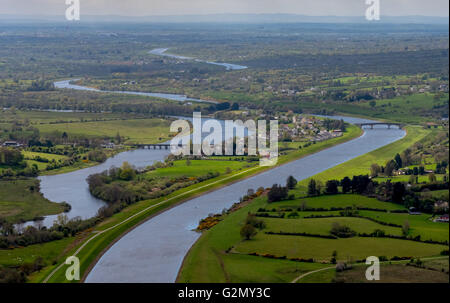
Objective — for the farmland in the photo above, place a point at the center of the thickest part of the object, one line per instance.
(20, 200)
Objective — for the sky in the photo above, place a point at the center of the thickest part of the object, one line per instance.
(197, 7)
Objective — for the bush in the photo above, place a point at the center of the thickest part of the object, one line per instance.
(342, 231)
(248, 231)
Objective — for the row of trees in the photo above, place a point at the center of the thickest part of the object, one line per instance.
(279, 193)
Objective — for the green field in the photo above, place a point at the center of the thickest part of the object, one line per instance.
(20, 201)
(198, 168)
(134, 130)
(322, 226)
(348, 249)
(209, 261)
(29, 156)
(329, 201)
(420, 224)
(49, 252)
(361, 165)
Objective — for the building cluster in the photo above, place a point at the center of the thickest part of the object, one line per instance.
(306, 127)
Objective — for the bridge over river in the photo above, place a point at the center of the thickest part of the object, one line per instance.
(372, 124)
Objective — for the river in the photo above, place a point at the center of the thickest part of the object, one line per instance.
(73, 188)
(163, 52)
(154, 251)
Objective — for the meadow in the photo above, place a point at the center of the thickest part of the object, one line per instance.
(221, 249)
(134, 130)
(194, 168)
(20, 200)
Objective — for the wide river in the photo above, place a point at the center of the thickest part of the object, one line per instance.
(154, 251)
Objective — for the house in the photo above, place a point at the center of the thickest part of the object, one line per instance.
(443, 218)
(109, 145)
(11, 144)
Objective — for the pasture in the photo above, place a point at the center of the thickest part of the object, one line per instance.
(21, 201)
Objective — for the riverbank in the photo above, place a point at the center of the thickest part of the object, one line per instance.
(207, 261)
(130, 217)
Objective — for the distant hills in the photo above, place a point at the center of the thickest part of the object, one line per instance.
(234, 18)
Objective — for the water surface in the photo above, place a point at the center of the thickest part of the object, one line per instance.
(154, 251)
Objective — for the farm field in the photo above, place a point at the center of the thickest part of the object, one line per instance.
(322, 226)
(348, 249)
(329, 201)
(20, 200)
(222, 248)
(194, 168)
(29, 156)
(135, 131)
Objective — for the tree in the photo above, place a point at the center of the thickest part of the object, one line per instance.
(255, 222)
(291, 182)
(127, 172)
(331, 187)
(375, 169)
(390, 167)
(432, 178)
(248, 232)
(346, 184)
(277, 193)
(405, 228)
(398, 191)
(334, 257)
(312, 187)
(118, 138)
(398, 160)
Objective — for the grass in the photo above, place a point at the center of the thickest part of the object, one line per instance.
(321, 249)
(361, 165)
(49, 252)
(322, 226)
(419, 224)
(329, 201)
(29, 156)
(198, 168)
(406, 109)
(18, 202)
(207, 261)
(135, 130)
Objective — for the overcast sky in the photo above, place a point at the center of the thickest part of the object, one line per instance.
(189, 7)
